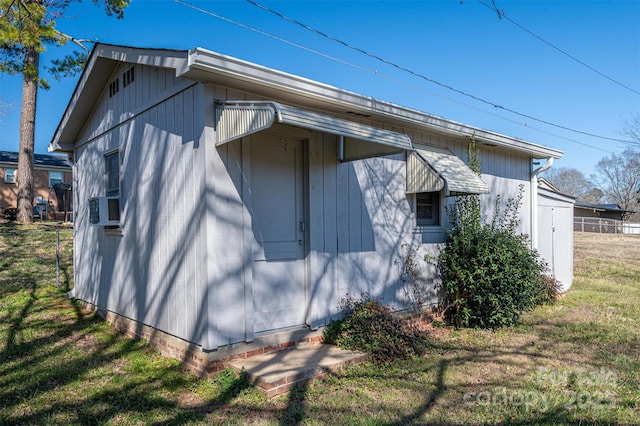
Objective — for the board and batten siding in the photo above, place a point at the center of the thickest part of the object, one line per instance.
(153, 268)
(150, 87)
(183, 259)
(359, 216)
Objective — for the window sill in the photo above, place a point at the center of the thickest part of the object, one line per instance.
(431, 234)
(428, 229)
(113, 230)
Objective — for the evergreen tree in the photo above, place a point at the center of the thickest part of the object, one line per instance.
(27, 27)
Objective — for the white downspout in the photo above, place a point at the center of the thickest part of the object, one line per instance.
(534, 201)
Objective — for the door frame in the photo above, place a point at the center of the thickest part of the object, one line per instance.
(248, 276)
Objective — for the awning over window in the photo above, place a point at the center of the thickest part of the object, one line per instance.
(428, 170)
(237, 119)
(421, 177)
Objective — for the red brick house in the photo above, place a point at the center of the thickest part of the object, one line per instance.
(52, 179)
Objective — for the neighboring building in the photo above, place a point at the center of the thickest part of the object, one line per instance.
(601, 211)
(229, 206)
(603, 218)
(50, 174)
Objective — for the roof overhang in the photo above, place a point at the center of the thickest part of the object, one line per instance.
(206, 66)
(102, 63)
(555, 195)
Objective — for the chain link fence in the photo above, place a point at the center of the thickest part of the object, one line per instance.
(604, 226)
(37, 253)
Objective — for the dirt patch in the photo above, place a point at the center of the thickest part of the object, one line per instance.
(85, 341)
(188, 399)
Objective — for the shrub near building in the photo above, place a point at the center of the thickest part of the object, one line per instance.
(490, 275)
(371, 327)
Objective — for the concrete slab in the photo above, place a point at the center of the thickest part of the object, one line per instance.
(277, 372)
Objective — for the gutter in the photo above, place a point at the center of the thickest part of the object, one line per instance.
(205, 65)
(534, 201)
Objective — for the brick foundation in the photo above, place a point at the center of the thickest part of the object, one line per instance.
(193, 358)
(208, 364)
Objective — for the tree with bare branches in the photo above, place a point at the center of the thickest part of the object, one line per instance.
(618, 175)
(573, 182)
(27, 27)
(632, 129)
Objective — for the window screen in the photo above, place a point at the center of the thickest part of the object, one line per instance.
(112, 171)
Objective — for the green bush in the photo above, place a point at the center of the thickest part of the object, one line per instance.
(369, 326)
(490, 276)
(332, 331)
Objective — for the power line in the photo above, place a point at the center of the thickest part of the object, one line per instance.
(377, 73)
(422, 76)
(501, 15)
(273, 36)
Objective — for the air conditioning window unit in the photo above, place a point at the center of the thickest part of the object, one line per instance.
(104, 211)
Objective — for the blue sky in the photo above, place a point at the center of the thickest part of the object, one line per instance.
(461, 44)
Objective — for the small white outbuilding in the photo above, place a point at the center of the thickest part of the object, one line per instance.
(230, 206)
(555, 232)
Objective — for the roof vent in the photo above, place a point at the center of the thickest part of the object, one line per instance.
(114, 87)
(127, 77)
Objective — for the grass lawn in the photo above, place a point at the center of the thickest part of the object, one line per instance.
(575, 362)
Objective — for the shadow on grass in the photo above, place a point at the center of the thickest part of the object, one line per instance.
(51, 379)
(59, 365)
(16, 322)
(231, 386)
(295, 412)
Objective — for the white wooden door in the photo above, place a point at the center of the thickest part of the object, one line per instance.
(277, 218)
(555, 241)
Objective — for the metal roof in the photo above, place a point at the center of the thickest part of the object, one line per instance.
(457, 175)
(206, 66)
(39, 160)
(235, 119)
(601, 207)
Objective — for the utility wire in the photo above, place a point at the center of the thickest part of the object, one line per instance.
(501, 15)
(273, 36)
(377, 73)
(422, 76)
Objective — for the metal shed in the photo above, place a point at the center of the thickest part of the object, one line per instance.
(555, 232)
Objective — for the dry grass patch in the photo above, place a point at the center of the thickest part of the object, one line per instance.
(590, 246)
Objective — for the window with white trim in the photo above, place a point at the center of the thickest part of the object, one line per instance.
(55, 177)
(427, 209)
(9, 175)
(112, 174)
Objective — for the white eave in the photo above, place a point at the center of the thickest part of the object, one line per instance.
(203, 64)
(100, 66)
(207, 66)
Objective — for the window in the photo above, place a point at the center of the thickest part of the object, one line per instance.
(112, 174)
(10, 175)
(428, 209)
(54, 178)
